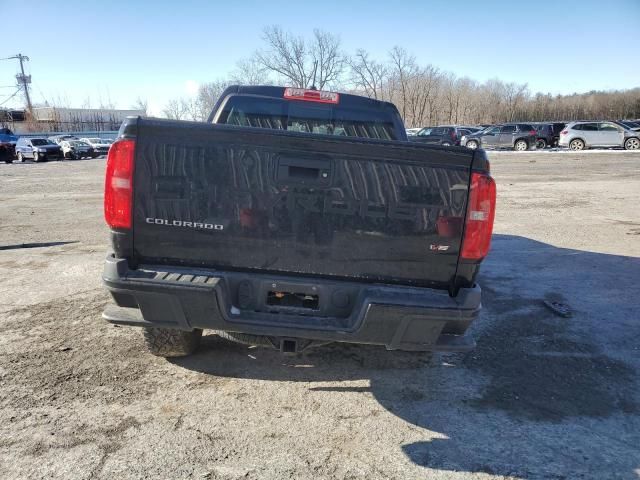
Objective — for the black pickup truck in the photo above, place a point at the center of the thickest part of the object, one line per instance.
(294, 218)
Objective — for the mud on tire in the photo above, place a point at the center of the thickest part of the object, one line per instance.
(166, 342)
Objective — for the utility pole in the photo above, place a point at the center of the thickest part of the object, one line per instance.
(24, 80)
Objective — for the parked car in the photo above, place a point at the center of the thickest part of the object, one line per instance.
(544, 135)
(7, 146)
(548, 133)
(57, 139)
(100, 145)
(38, 149)
(412, 131)
(581, 135)
(519, 136)
(628, 124)
(245, 231)
(445, 135)
(76, 149)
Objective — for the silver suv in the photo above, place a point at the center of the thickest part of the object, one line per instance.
(581, 135)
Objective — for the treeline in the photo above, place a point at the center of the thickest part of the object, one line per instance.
(424, 94)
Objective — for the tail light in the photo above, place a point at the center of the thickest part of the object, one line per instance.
(480, 215)
(564, 132)
(453, 134)
(311, 95)
(118, 184)
(533, 132)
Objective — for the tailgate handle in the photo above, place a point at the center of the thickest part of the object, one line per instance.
(305, 170)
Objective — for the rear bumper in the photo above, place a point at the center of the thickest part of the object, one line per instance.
(398, 317)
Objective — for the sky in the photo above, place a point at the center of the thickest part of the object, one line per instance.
(90, 52)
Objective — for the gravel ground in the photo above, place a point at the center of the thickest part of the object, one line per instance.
(542, 396)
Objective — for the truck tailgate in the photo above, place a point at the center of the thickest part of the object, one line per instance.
(271, 201)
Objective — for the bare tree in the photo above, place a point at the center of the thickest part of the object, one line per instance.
(250, 72)
(367, 75)
(141, 104)
(176, 109)
(299, 62)
(328, 62)
(208, 95)
(514, 97)
(403, 70)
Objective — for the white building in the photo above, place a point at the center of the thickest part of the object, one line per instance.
(54, 119)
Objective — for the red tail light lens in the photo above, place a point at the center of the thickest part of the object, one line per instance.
(564, 132)
(118, 184)
(311, 95)
(533, 132)
(480, 215)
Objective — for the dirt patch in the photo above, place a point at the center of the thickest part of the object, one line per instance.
(540, 371)
(55, 363)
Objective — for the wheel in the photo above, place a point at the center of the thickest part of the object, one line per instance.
(576, 144)
(541, 143)
(20, 157)
(167, 342)
(472, 144)
(632, 143)
(36, 157)
(9, 160)
(446, 144)
(520, 146)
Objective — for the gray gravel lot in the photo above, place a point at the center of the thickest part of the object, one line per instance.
(541, 397)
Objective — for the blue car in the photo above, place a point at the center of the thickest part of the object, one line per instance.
(37, 149)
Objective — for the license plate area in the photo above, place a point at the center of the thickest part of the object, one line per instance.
(297, 300)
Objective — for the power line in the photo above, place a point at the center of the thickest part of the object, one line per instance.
(14, 94)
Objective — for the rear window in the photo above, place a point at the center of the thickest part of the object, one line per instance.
(307, 117)
(525, 127)
(40, 141)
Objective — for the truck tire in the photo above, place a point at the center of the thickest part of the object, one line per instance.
(167, 342)
(20, 157)
(541, 143)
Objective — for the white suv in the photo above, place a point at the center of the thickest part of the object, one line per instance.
(581, 135)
